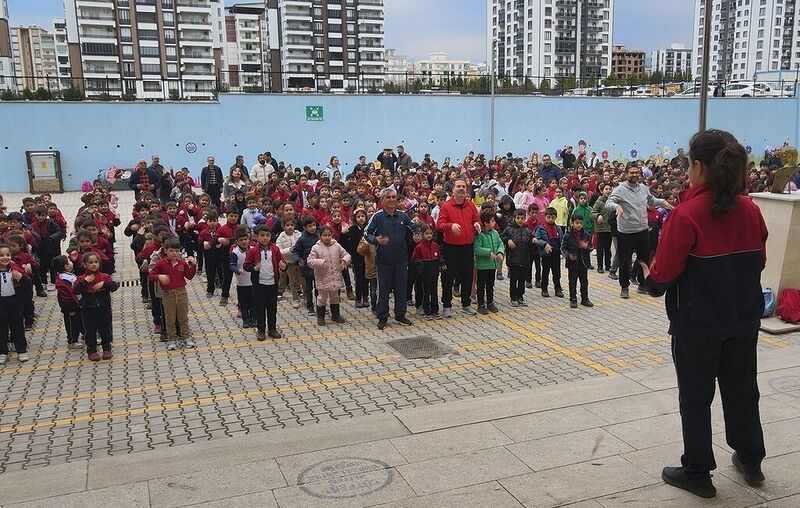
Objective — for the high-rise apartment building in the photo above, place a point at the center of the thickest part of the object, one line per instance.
(6, 61)
(550, 38)
(35, 62)
(398, 69)
(673, 61)
(251, 56)
(627, 63)
(146, 47)
(747, 36)
(62, 53)
(438, 68)
(333, 44)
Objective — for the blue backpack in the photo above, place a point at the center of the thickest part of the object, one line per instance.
(770, 302)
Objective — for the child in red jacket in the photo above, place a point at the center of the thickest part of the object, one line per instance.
(30, 266)
(96, 287)
(11, 277)
(68, 301)
(172, 272)
(429, 263)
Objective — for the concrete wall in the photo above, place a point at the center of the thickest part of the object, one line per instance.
(94, 136)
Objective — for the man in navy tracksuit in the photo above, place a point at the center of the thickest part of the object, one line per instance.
(391, 231)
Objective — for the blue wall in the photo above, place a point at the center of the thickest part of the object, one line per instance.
(94, 136)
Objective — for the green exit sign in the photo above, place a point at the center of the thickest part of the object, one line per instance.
(314, 114)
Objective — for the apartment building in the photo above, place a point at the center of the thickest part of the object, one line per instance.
(747, 36)
(398, 67)
(550, 38)
(672, 61)
(146, 47)
(34, 52)
(331, 44)
(251, 56)
(438, 68)
(627, 63)
(6, 58)
(62, 53)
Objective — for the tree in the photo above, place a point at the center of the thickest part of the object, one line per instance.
(27, 94)
(174, 94)
(73, 93)
(8, 95)
(42, 94)
(544, 86)
(611, 80)
(592, 82)
(657, 77)
(129, 95)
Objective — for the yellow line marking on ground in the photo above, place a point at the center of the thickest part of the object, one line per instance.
(569, 353)
(647, 300)
(621, 343)
(773, 341)
(619, 362)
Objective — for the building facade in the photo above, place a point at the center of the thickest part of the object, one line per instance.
(35, 62)
(673, 61)
(398, 68)
(7, 81)
(438, 68)
(251, 48)
(146, 47)
(550, 38)
(747, 37)
(627, 63)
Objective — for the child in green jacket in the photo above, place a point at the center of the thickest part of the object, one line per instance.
(489, 254)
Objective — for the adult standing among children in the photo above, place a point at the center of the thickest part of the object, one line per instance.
(404, 161)
(630, 201)
(156, 165)
(391, 231)
(211, 180)
(143, 179)
(549, 171)
(459, 222)
(712, 280)
(239, 164)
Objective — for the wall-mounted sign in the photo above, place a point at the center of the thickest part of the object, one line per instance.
(314, 114)
(191, 147)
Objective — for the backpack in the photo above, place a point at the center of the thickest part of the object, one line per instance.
(769, 302)
(789, 306)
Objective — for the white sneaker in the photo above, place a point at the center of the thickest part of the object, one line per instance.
(447, 312)
(75, 345)
(23, 357)
(172, 345)
(3, 359)
(420, 311)
(99, 340)
(51, 287)
(188, 344)
(469, 311)
(295, 304)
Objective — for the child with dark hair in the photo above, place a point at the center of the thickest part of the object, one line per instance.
(576, 247)
(286, 240)
(11, 279)
(519, 242)
(30, 266)
(533, 278)
(171, 273)
(328, 259)
(135, 230)
(95, 288)
(300, 252)
(225, 238)
(489, 252)
(264, 261)
(212, 251)
(244, 282)
(68, 301)
(49, 241)
(548, 240)
(428, 262)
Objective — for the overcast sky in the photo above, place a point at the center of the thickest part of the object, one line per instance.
(417, 28)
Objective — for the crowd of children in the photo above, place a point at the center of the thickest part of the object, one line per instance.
(298, 233)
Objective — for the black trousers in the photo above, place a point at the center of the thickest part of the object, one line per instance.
(551, 265)
(577, 272)
(485, 287)
(214, 192)
(391, 278)
(265, 306)
(11, 323)
(155, 308)
(700, 361)
(362, 284)
(144, 285)
(460, 261)
(73, 326)
(414, 288)
(627, 245)
(97, 321)
(430, 298)
(25, 295)
(516, 281)
(535, 262)
(213, 268)
(227, 279)
(308, 289)
(244, 294)
(604, 250)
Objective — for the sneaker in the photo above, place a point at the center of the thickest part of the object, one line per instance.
(482, 310)
(538, 283)
(107, 354)
(559, 293)
(528, 285)
(403, 321)
(295, 304)
(261, 336)
(381, 324)
(162, 337)
(158, 328)
(188, 344)
(280, 297)
(311, 311)
(74, 345)
(99, 341)
(493, 308)
(469, 311)
(587, 303)
(752, 472)
(23, 357)
(420, 311)
(223, 302)
(41, 293)
(28, 327)
(700, 486)
(447, 312)
(274, 334)
(3, 359)
(613, 276)
(51, 288)
(429, 317)
(95, 357)
(590, 267)
(600, 271)
(239, 313)
(499, 275)
(514, 303)
(148, 305)
(172, 345)
(209, 295)
(145, 299)
(623, 293)
(247, 324)
(545, 294)
(522, 303)
(435, 316)
(573, 304)
(642, 291)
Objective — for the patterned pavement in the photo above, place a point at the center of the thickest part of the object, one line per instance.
(60, 407)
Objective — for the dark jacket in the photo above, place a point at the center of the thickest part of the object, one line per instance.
(350, 242)
(542, 239)
(550, 173)
(133, 181)
(505, 217)
(712, 277)
(91, 299)
(570, 244)
(398, 228)
(523, 240)
(387, 162)
(301, 250)
(205, 175)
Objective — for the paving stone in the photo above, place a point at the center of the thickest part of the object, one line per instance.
(548, 423)
(364, 489)
(132, 495)
(477, 496)
(567, 449)
(452, 441)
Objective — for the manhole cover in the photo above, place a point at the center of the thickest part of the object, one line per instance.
(345, 478)
(422, 346)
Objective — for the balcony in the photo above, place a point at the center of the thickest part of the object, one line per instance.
(194, 23)
(93, 19)
(195, 39)
(198, 6)
(105, 4)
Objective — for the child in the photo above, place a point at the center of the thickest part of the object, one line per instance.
(532, 222)
(68, 301)
(429, 263)
(548, 239)
(518, 240)
(135, 230)
(585, 211)
(29, 265)
(328, 259)
(171, 273)
(49, 241)
(300, 252)
(212, 251)
(489, 251)
(264, 262)
(560, 204)
(285, 243)
(350, 241)
(244, 283)
(11, 277)
(225, 237)
(95, 288)
(369, 253)
(576, 248)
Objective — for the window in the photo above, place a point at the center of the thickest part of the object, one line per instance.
(317, 26)
(149, 51)
(169, 19)
(127, 51)
(151, 68)
(124, 16)
(100, 49)
(152, 86)
(317, 12)
(171, 53)
(169, 36)
(319, 41)
(172, 70)
(125, 34)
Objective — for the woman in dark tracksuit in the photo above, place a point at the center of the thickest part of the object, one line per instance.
(712, 281)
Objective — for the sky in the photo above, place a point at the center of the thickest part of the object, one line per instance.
(417, 28)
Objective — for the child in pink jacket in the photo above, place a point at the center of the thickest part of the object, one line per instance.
(328, 259)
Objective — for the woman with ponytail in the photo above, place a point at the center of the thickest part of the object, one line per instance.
(709, 263)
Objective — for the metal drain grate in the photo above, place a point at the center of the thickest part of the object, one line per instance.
(421, 346)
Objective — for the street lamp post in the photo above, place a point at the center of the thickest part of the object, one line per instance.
(706, 68)
(491, 120)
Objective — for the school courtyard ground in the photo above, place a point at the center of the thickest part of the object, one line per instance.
(536, 406)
